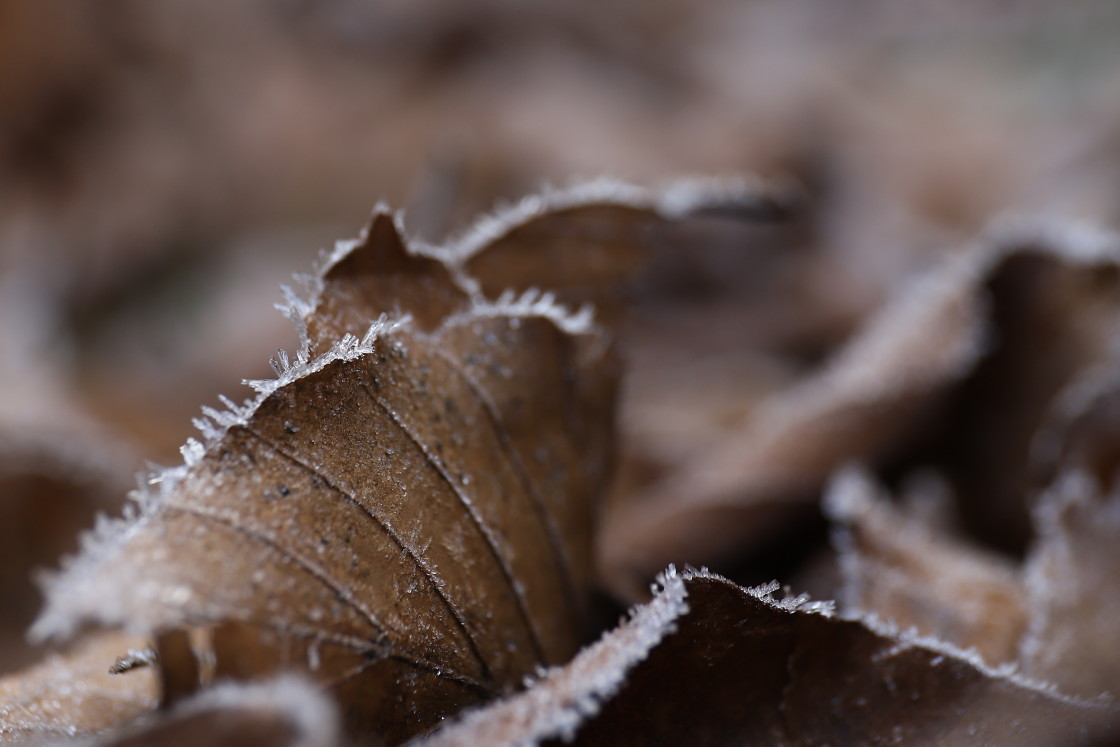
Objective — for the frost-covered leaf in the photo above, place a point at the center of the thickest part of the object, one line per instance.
(708, 662)
(957, 373)
(906, 571)
(406, 516)
(770, 467)
(582, 245)
(75, 693)
(587, 243)
(1053, 292)
(371, 519)
(1053, 617)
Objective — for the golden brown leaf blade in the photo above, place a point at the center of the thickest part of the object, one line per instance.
(368, 505)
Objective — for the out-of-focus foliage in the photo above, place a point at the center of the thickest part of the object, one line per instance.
(164, 167)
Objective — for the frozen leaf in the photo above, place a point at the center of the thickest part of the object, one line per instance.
(708, 662)
(590, 241)
(1072, 577)
(905, 571)
(1054, 298)
(370, 518)
(957, 373)
(407, 517)
(583, 244)
(374, 275)
(770, 467)
(75, 693)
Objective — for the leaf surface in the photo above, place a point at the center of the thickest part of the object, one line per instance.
(709, 662)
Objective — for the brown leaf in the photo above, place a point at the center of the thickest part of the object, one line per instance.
(1053, 618)
(584, 245)
(406, 517)
(958, 374)
(371, 507)
(75, 693)
(1053, 291)
(590, 242)
(769, 468)
(904, 571)
(708, 662)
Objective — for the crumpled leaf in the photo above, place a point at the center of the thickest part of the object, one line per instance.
(957, 374)
(708, 662)
(1054, 291)
(406, 517)
(904, 570)
(1053, 617)
(584, 245)
(768, 470)
(75, 692)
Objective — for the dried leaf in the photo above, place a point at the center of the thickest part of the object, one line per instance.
(368, 507)
(906, 572)
(1053, 618)
(769, 469)
(708, 662)
(1054, 291)
(959, 353)
(590, 242)
(75, 693)
(406, 517)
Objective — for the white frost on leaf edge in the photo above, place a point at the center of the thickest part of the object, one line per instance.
(910, 638)
(95, 545)
(675, 199)
(855, 368)
(561, 699)
(58, 620)
(531, 303)
(558, 701)
(1077, 241)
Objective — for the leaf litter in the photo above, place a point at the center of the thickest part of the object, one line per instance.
(406, 517)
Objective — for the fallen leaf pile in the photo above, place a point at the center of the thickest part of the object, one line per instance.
(419, 530)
